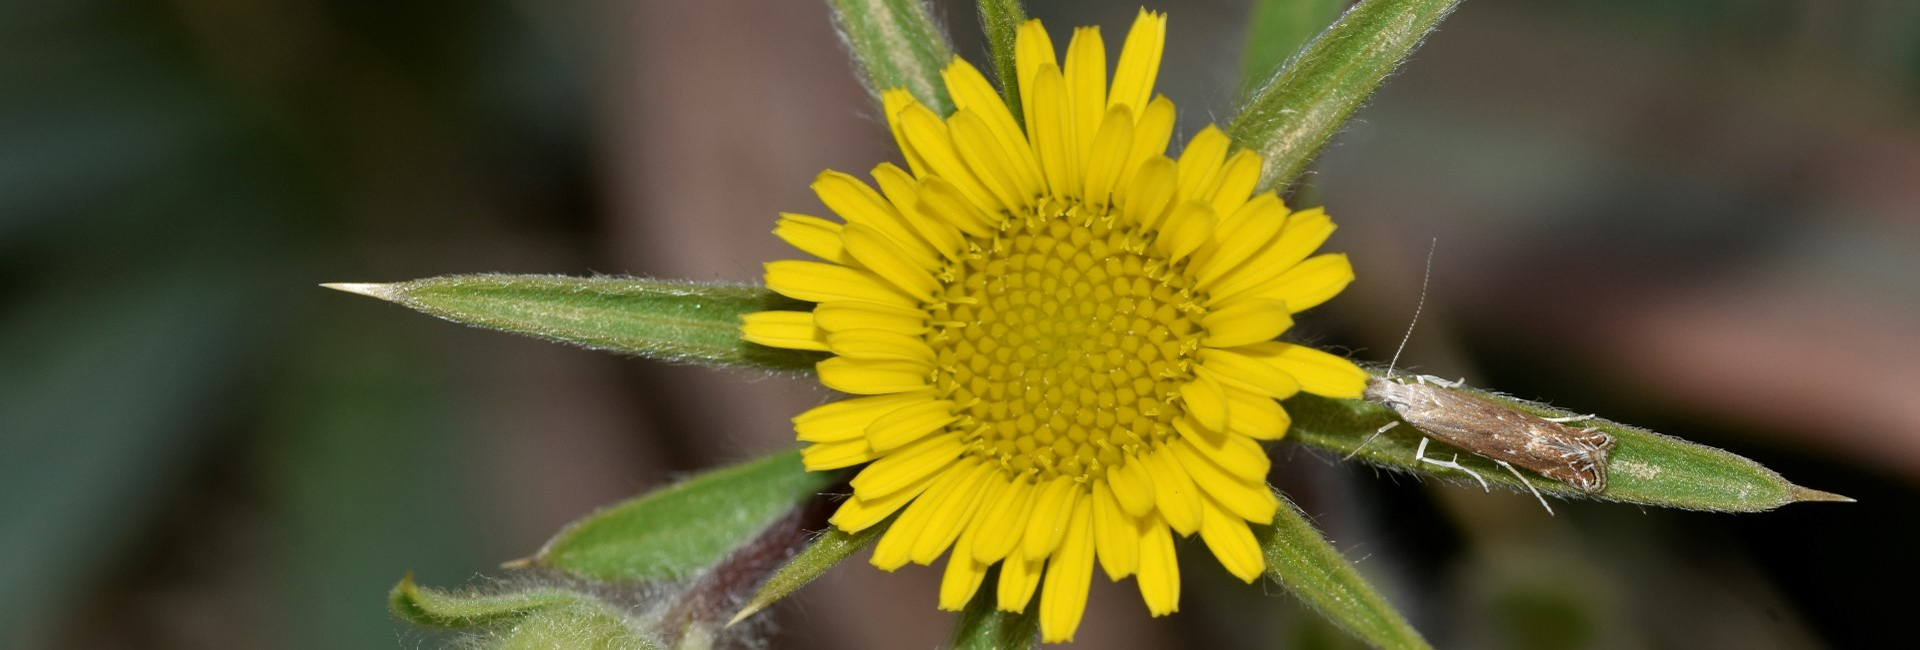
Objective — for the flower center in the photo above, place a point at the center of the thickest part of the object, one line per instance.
(1065, 344)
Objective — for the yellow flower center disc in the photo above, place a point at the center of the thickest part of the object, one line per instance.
(1064, 344)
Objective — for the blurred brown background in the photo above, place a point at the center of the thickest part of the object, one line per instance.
(1701, 216)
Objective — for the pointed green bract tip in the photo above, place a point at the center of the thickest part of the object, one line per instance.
(749, 610)
(1805, 494)
(381, 291)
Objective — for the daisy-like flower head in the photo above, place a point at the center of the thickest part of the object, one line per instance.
(1062, 339)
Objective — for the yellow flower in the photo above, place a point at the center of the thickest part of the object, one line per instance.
(1063, 339)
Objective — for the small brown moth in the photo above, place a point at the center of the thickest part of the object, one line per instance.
(1549, 447)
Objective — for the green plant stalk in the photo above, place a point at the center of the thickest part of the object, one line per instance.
(1291, 116)
(1000, 20)
(897, 44)
(824, 552)
(1301, 559)
(1275, 33)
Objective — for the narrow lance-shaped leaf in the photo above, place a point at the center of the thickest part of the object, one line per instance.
(825, 551)
(1275, 33)
(982, 626)
(896, 44)
(1302, 560)
(1644, 467)
(536, 618)
(1000, 20)
(682, 529)
(660, 319)
(1288, 118)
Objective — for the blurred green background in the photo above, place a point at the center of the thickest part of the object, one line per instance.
(1701, 216)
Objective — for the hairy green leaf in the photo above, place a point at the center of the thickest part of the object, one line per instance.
(1302, 560)
(825, 551)
(1290, 116)
(982, 626)
(897, 44)
(662, 319)
(1000, 20)
(1278, 28)
(537, 618)
(1645, 467)
(679, 530)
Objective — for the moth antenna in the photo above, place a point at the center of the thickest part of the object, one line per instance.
(1416, 308)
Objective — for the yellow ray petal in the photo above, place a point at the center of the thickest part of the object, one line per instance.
(971, 92)
(1249, 500)
(905, 466)
(1032, 49)
(793, 330)
(1231, 541)
(982, 153)
(848, 419)
(1159, 570)
(930, 138)
(1248, 231)
(1152, 130)
(1318, 372)
(1051, 130)
(1257, 416)
(835, 455)
(857, 514)
(1206, 401)
(1132, 486)
(1018, 578)
(956, 515)
(1238, 370)
(816, 236)
(858, 203)
(893, 103)
(1200, 163)
(894, 547)
(843, 315)
(1236, 182)
(909, 423)
(939, 198)
(1310, 283)
(1148, 194)
(903, 192)
(963, 574)
(1052, 508)
(1086, 76)
(1004, 521)
(880, 345)
(1186, 228)
(1139, 63)
(1069, 574)
(823, 282)
(1104, 161)
(873, 377)
(1238, 456)
(1115, 535)
(1246, 321)
(877, 252)
(1174, 494)
(1304, 232)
